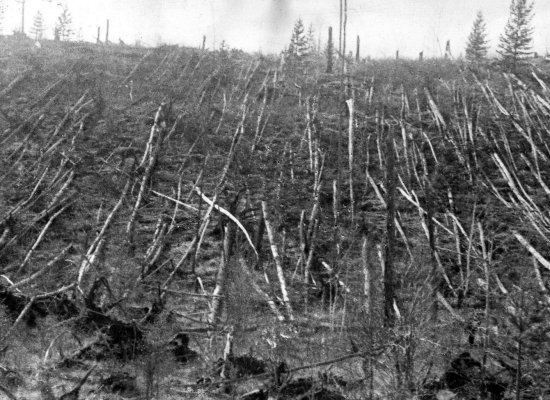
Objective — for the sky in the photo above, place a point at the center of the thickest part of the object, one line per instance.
(384, 26)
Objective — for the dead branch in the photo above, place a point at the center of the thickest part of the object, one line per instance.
(46, 212)
(134, 70)
(14, 83)
(181, 203)
(18, 320)
(158, 128)
(449, 308)
(39, 239)
(181, 293)
(41, 272)
(277, 259)
(260, 291)
(74, 393)
(346, 357)
(97, 244)
(7, 392)
(544, 262)
(230, 216)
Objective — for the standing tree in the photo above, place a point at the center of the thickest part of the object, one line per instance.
(107, 33)
(22, 2)
(515, 44)
(311, 40)
(37, 29)
(330, 51)
(298, 42)
(64, 24)
(476, 49)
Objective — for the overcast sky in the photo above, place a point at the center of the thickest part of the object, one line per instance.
(384, 25)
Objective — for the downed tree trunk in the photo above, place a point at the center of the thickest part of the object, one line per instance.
(277, 259)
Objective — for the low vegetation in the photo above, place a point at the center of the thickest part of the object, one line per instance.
(184, 223)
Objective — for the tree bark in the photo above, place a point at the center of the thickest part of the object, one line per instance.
(221, 279)
(389, 284)
(277, 259)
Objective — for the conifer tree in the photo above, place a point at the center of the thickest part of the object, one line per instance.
(37, 29)
(515, 43)
(476, 49)
(298, 43)
(330, 51)
(64, 24)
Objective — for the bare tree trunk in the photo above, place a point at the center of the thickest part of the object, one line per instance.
(486, 262)
(277, 259)
(368, 364)
(344, 26)
(340, 100)
(107, 33)
(350, 157)
(221, 278)
(389, 284)
(519, 353)
(260, 291)
(225, 373)
(330, 51)
(431, 240)
(22, 16)
(258, 238)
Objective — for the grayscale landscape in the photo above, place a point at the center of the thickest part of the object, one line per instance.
(288, 199)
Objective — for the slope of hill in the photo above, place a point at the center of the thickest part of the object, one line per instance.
(211, 224)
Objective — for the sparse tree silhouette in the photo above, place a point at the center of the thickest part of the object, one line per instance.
(2, 11)
(298, 42)
(311, 40)
(79, 35)
(515, 43)
(22, 2)
(476, 48)
(330, 51)
(64, 24)
(37, 29)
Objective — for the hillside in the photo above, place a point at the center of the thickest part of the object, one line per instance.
(178, 223)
